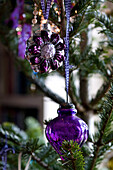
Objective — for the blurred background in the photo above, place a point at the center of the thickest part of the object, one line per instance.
(19, 96)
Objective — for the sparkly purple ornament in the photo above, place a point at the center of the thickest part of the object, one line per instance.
(3, 153)
(16, 14)
(25, 34)
(67, 126)
(45, 51)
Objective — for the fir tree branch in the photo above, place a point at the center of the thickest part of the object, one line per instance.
(27, 165)
(101, 92)
(111, 140)
(35, 158)
(40, 84)
(104, 19)
(95, 158)
(72, 155)
(63, 20)
(73, 160)
(105, 117)
(83, 79)
(110, 0)
(27, 148)
(80, 6)
(19, 160)
(77, 24)
(10, 138)
(41, 163)
(52, 19)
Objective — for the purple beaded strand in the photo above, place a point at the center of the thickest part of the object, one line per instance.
(67, 9)
(46, 11)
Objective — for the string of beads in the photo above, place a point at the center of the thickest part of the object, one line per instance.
(35, 13)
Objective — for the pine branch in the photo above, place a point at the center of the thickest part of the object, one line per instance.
(80, 6)
(105, 114)
(11, 136)
(54, 21)
(72, 155)
(48, 154)
(19, 160)
(63, 20)
(54, 18)
(77, 24)
(101, 92)
(28, 163)
(110, 0)
(45, 152)
(104, 19)
(85, 15)
(28, 148)
(41, 163)
(83, 79)
(41, 85)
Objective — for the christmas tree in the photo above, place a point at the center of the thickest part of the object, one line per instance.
(89, 22)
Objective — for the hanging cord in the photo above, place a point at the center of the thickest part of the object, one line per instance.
(67, 9)
(46, 11)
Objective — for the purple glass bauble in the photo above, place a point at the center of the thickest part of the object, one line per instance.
(67, 126)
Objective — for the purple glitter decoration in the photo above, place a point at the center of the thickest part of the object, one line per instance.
(26, 28)
(67, 9)
(20, 4)
(14, 18)
(67, 126)
(25, 34)
(3, 153)
(46, 11)
(45, 51)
